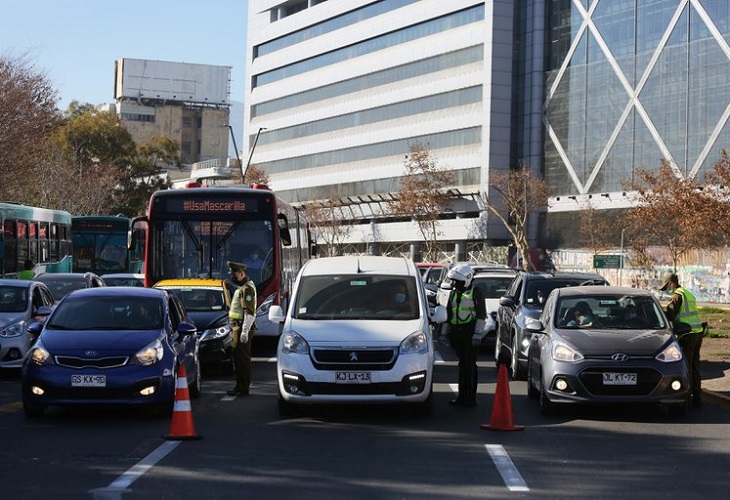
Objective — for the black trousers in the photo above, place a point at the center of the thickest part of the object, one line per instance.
(691, 345)
(242, 360)
(461, 342)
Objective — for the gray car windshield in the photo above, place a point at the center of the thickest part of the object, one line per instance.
(107, 313)
(609, 312)
(357, 297)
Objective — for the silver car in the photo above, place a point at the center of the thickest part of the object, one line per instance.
(605, 344)
(19, 303)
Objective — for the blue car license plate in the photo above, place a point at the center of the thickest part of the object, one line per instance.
(88, 380)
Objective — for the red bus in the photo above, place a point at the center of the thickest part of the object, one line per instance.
(194, 232)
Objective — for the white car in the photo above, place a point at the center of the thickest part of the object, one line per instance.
(357, 331)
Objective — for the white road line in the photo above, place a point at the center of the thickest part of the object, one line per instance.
(125, 480)
(510, 475)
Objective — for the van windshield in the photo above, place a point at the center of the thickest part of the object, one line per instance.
(377, 297)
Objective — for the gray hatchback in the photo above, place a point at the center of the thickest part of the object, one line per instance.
(19, 303)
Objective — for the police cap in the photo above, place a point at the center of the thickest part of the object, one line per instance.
(236, 266)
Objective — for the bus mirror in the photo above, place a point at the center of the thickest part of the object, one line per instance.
(284, 233)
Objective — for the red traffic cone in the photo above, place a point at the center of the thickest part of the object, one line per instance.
(502, 407)
(182, 414)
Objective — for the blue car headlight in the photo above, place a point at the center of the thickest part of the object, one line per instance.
(149, 354)
(13, 330)
(39, 355)
(416, 342)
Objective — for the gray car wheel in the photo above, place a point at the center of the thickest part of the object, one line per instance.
(518, 372)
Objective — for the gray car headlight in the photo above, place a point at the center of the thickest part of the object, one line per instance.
(563, 352)
(670, 354)
(13, 330)
(293, 343)
(416, 342)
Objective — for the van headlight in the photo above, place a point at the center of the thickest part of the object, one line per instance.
(416, 342)
(293, 343)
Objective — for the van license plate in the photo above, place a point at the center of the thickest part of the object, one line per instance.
(88, 380)
(352, 377)
(610, 378)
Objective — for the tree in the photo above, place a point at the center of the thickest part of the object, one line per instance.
(422, 195)
(256, 175)
(518, 194)
(332, 220)
(597, 228)
(668, 211)
(27, 115)
(718, 190)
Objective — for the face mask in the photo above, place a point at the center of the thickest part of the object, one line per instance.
(399, 298)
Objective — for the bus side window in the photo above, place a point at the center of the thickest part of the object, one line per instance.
(284, 233)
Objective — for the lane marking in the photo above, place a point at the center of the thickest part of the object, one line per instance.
(510, 475)
(123, 482)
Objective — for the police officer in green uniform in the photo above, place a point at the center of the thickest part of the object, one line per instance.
(682, 308)
(241, 318)
(467, 313)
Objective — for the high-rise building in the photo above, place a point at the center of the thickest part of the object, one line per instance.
(581, 91)
(186, 102)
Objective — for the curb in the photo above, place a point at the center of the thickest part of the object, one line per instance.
(717, 398)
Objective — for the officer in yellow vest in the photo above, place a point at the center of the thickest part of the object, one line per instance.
(467, 313)
(241, 318)
(682, 308)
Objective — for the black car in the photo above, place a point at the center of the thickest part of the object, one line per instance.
(524, 299)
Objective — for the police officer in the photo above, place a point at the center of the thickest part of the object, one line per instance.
(241, 318)
(27, 273)
(467, 313)
(682, 308)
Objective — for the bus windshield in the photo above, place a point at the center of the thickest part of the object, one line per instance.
(201, 248)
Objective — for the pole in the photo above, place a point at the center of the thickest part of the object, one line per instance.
(235, 147)
(621, 262)
(256, 140)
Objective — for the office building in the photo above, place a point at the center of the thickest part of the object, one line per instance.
(581, 91)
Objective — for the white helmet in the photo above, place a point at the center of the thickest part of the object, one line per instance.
(462, 272)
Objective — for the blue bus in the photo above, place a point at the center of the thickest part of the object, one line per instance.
(34, 234)
(100, 244)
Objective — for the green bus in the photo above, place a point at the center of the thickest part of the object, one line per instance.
(100, 244)
(37, 235)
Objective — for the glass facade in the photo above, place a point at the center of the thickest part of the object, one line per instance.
(630, 83)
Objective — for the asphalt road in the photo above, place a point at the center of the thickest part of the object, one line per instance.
(247, 450)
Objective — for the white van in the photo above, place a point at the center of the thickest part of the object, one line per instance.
(357, 330)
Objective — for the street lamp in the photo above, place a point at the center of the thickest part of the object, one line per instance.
(235, 147)
(256, 139)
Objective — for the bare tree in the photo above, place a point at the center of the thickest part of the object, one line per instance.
(518, 193)
(256, 175)
(332, 220)
(596, 228)
(27, 115)
(423, 196)
(668, 211)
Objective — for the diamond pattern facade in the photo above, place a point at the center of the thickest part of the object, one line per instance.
(630, 84)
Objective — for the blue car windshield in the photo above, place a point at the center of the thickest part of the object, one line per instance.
(107, 313)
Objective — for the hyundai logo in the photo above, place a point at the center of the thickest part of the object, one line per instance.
(91, 354)
(619, 356)
(353, 356)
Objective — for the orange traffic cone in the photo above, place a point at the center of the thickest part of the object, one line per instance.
(502, 407)
(182, 414)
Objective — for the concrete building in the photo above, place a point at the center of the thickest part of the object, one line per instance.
(582, 91)
(187, 102)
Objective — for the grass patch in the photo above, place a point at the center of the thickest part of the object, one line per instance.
(718, 321)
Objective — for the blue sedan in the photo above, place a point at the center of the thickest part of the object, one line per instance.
(112, 345)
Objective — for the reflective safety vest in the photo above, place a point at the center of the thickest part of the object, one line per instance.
(463, 310)
(26, 274)
(688, 313)
(237, 310)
